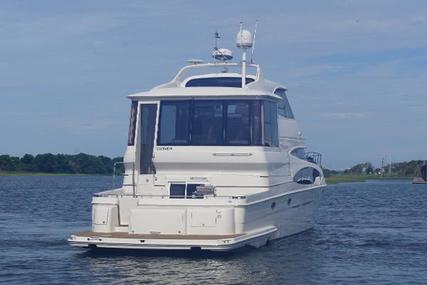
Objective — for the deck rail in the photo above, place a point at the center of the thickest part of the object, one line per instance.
(314, 157)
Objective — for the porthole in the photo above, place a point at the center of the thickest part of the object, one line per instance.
(289, 201)
(273, 205)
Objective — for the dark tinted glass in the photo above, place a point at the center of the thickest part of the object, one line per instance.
(191, 188)
(237, 131)
(218, 81)
(132, 123)
(148, 122)
(299, 152)
(207, 123)
(270, 124)
(284, 107)
(177, 190)
(306, 175)
(174, 123)
(256, 123)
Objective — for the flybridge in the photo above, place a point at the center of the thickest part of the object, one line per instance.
(221, 73)
(212, 70)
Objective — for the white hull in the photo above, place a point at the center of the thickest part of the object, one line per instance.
(215, 161)
(255, 223)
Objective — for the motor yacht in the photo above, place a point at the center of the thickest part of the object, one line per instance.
(215, 161)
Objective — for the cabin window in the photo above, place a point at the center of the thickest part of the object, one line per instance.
(148, 123)
(306, 175)
(182, 190)
(218, 81)
(299, 152)
(271, 137)
(174, 123)
(177, 190)
(237, 129)
(207, 123)
(132, 123)
(256, 128)
(218, 122)
(284, 108)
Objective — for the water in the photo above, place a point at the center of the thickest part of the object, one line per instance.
(373, 232)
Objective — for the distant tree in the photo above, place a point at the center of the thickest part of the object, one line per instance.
(7, 163)
(46, 162)
(61, 163)
(361, 168)
(27, 159)
(26, 162)
(329, 172)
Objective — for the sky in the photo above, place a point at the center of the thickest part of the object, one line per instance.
(356, 71)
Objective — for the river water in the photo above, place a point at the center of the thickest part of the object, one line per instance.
(373, 232)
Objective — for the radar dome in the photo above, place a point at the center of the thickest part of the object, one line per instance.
(244, 39)
(222, 54)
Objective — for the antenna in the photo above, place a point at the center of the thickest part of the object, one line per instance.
(253, 47)
(217, 36)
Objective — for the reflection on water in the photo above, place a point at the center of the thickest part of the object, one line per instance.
(371, 232)
(288, 259)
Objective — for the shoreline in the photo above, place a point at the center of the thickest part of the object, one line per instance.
(361, 178)
(331, 180)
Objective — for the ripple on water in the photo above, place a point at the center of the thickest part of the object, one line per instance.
(371, 232)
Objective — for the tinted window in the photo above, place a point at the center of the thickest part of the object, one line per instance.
(219, 122)
(191, 188)
(174, 123)
(299, 152)
(207, 123)
(284, 107)
(132, 123)
(306, 175)
(270, 124)
(237, 131)
(177, 191)
(148, 123)
(256, 123)
(218, 81)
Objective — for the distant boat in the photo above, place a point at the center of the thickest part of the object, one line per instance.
(420, 175)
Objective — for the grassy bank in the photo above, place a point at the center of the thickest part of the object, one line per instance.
(360, 178)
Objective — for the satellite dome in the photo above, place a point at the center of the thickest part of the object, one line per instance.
(244, 39)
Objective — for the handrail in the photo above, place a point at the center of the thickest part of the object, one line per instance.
(179, 76)
(103, 194)
(314, 157)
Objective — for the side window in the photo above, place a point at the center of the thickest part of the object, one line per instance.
(299, 152)
(270, 124)
(132, 123)
(306, 175)
(256, 123)
(284, 107)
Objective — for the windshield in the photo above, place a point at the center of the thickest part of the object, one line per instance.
(218, 122)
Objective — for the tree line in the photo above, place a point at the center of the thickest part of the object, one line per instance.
(81, 163)
(402, 169)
